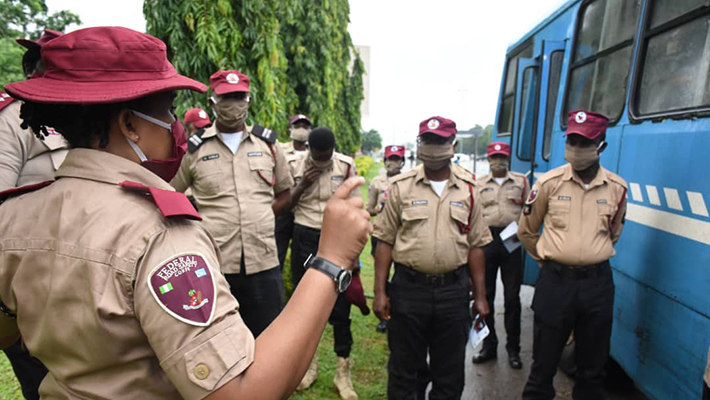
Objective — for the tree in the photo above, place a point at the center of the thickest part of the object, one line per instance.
(371, 141)
(25, 19)
(297, 53)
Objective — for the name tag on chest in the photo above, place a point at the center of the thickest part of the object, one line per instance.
(420, 202)
(336, 178)
(565, 198)
(210, 157)
(255, 154)
(456, 204)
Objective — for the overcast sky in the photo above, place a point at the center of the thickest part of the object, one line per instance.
(442, 57)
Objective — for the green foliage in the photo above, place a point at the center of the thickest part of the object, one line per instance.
(297, 53)
(371, 141)
(25, 19)
(363, 165)
(484, 139)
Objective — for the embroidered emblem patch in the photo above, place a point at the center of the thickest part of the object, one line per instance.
(532, 197)
(184, 287)
(394, 148)
(433, 123)
(233, 78)
(497, 147)
(581, 117)
(202, 114)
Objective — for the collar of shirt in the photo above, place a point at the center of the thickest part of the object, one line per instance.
(101, 166)
(212, 131)
(598, 180)
(489, 177)
(453, 179)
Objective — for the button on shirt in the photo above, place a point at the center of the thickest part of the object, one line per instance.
(75, 264)
(234, 193)
(425, 229)
(502, 202)
(581, 224)
(309, 210)
(25, 159)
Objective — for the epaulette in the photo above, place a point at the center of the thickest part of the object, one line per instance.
(553, 173)
(171, 204)
(195, 141)
(406, 175)
(5, 100)
(463, 174)
(264, 134)
(14, 192)
(345, 159)
(616, 178)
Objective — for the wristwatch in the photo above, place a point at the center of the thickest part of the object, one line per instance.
(340, 276)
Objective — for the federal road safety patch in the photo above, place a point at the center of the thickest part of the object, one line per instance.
(184, 287)
(532, 197)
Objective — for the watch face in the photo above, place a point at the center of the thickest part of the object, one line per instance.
(344, 279)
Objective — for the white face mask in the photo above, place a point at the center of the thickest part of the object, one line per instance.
(299, 152)
(150, 119)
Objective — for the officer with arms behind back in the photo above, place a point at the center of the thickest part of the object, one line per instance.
(239, 180)
(503, 193)
(377, 194)
(582, 207)
(109, 253)
(432, 226)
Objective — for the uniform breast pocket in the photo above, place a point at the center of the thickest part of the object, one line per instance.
(459, 217)
(604, 217)
(514, 194)
(414, 219)
(559, 213)
(262, 169)
(488, 197)
(335, 182)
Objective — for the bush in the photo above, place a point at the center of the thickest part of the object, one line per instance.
(363, 165)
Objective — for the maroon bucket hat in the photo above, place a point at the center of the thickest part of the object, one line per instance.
(102, 65)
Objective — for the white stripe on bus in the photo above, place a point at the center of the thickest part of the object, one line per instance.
(697, 204)
(653, 195)
(679, 225)
(636, 192)
(673, 199)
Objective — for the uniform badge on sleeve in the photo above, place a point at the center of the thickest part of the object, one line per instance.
(184, 287)
(527, 209)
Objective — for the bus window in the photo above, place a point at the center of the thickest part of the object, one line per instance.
(527, 113)
(505, 122)
(676, 63)
(602, 57)
(553, 89)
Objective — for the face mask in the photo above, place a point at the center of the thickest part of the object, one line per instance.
(435, 156)
(299, 152)
(321, 164)
(393, 167)
(231, 113)
(300, 134)
(581, 158)
(166, 169)
(498, 166)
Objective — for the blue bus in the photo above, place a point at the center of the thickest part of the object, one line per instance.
(646, 65)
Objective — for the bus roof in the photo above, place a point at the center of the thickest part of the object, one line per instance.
(542, 24)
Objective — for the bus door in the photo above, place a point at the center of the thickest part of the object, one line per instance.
(535, 105)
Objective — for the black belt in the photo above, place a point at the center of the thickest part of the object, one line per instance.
(434, 280)
(578, 271)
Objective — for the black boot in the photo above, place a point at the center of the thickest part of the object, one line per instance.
(382, 326)
(486, 354)
(514, 361)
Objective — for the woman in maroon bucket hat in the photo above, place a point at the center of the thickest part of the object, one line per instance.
(106, 272)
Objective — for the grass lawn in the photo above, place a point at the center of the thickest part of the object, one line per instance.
(370, 350)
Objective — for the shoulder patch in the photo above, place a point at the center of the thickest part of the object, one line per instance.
(14, 192)
(170, 204)
(264, 134)
(184, 287)
(532, 196)
(5, 100)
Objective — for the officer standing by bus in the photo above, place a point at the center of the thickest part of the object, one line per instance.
(582, 207)
(240, 179)
(318, 175)
(503, 193)
(377, 194)
(299, 127)
(432, 227)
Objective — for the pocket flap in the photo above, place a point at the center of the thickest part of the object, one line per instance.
(460, 214)
(415, 213)
(208, 363)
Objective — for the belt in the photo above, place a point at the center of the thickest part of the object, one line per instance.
(579, 271)
(434, 280)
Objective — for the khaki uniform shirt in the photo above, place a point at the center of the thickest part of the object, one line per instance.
(234, 193)
(581, 225)
(377, 194)
(25, 159)
(502, 203)
(425, 229)
(309, 210)
(77, 261)
(287, 148)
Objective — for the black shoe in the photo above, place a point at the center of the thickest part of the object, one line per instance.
(514, 361)
(382, 326)
(486, 354)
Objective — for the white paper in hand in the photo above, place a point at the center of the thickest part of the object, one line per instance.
(510, 238)
(479, 331)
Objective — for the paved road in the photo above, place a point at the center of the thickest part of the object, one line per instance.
(496, 380)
